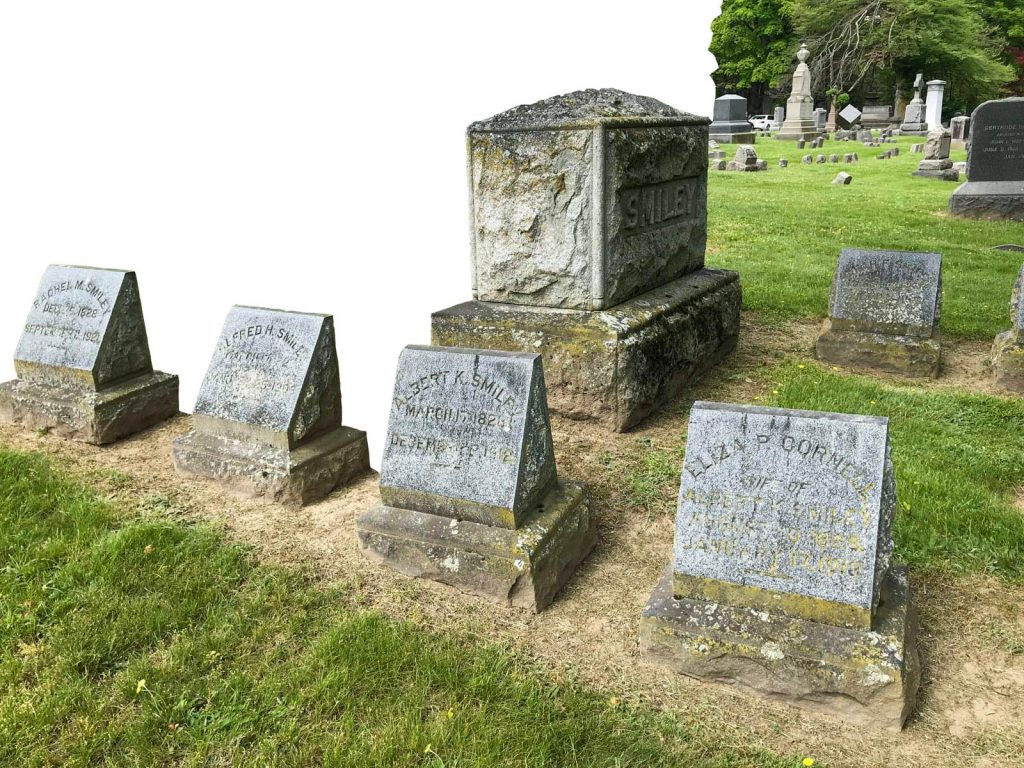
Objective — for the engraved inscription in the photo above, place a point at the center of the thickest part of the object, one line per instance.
(657, 205)
(1005, 140)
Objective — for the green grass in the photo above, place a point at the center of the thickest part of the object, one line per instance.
(959, 461)
(131, 641)
(783, 231)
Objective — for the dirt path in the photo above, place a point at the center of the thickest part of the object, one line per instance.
(971, 711)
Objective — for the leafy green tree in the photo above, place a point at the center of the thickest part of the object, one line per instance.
(852, 41)
(1006, 20)
(754, 44)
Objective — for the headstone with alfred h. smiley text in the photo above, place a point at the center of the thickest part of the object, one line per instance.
(788, 511)
(468, 436)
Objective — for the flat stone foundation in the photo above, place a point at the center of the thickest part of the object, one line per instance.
(1008, 361)
(613, 366)
(524, 567)
(294, 478)
(749, 137)
(869, 678)
(92, 417)
(904, 355)
(1000, 200)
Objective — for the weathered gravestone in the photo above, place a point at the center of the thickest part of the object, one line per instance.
(780, 117)
(782, 582)
(960, 128)
(995, 164)
(799, 122)
(83, 363)
(730, 124)
(843, 179)
(469, 490)
(884, 312)
(267, 421)
(936, 163)
(1008, 351)
(589, 224)
(876, 116)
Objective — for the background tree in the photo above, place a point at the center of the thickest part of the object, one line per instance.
(754, 44)
(1006, 20)
(857, 46)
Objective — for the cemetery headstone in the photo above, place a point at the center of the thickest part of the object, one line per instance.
(995, 164)
(933, 104)
(267, 421)
(782, 581)
(808, 159)
(730, 124)
(801, 143)
(744, 160)
(83, 364)
(833, 158)
(884, 310)
(850, 114)
(877, 116)
(820, 117)
(719, 165)
(470, 495)
(936, 163)
(780, 116)
(960, 128)
(800, 122)
(1008, 350)
(820, 159)
(639, 317)
(914, 122)
(783, 162)
(843, 179)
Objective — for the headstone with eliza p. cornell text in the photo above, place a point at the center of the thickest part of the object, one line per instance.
(469, 491)
(782, 581)
(83, 362)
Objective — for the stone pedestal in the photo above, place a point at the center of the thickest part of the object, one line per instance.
(291, 477)
(892, 353)
(618, 365)
(1000, 200)
(97, 417)
(523, 567)
(937, 169)
(800, 122)
(868, 677)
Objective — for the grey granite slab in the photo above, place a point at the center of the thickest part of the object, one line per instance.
(469, 435)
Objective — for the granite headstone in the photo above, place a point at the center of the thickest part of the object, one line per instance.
(995, 164)
(730, 124)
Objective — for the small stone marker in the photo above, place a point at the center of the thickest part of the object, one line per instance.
(267, 421)
(469, 490)
(995, 164)
(833, 158)
(801, 143)
(884, 312)
(719, 165)
(808, 160)
(782, 580)
(730, 124)
(745, 160)
(820, 159)
(848, 158)
(843, 179)
(783, 162)
(83, 362)
(1008, 350)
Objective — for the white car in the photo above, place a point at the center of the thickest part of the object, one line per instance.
(764, 123)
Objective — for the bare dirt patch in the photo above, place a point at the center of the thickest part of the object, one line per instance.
(971, 711)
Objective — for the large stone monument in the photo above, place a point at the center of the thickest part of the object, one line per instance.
(469, 491)
(884, 311)
(933, 104)
(995, 164)
(936, 163)
(267, 420)
(83, 363)
(914, 123)
(730, 124)
(588, 220)
(800, 122)
(782, 582)
(1008, 351)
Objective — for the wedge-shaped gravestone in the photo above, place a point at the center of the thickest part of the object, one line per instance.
(995, 164)
(470, 495)
(267, 419)
(1008, 351)
(83, 361)
(884, 311)
(782, 580)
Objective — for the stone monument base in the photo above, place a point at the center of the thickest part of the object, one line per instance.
(869, 678)
(616, 365)
(1008, 361)
(989, 200)
(937, 169)
(905, 355)
(795, 131)
(748, 137)
(296, 477)
(524, 566)
(92, 417)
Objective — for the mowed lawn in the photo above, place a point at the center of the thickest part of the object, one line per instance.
(783, 230)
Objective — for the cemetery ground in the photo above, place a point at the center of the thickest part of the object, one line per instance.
(149, 618)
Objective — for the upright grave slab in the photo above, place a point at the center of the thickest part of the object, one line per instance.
(730, 124)
(267, 421)
(884, 311)
(936, 163)
(914, 123)
(877, 116)
(1008, 351)
(995, 164)
(83, 363)
(800, 122)
(782, 581)
(469, 491)
(589, 225)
